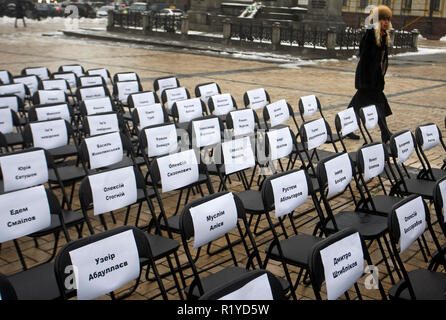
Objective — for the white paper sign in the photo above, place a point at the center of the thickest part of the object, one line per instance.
(167, 83)
(113, 190)
(348, 121)
(104, 150)
(442, 187)
(223, 104)
(238, 155)
(128, 76)
(91, 81)
(339, 173)
(280, 143)
(310, 105)
(290, 192)
(41, 72)
(343, 263)
(69, 76)
(405, 147)
(412, 221)
(49, 134)
(213, 219)
(51, 96)
(92, 93)
(208, 91)
(105, 265)
(31, 82)
(16, 89)
(150, 115)
(374, 161)
(143, 99)
(24, 170)
(100, 105)
(370, 116)
(57, 84)
(4, 77)
(103, 123)
(126, 88)
(243, 121)
(6, 124)
(257, 98)
(174, 95)
(256, 289)
(59, 111)
(206, 132)
(161, 140)
(316, 132)
(10, 102)
(189, 109)
(75, 69)
(100, 72)
(431, 136)
(23, 212)
(178, 170)
(278, 112)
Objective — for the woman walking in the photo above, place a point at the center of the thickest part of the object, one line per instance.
(372, 67)
(20, 12)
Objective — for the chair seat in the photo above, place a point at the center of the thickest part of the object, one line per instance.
(64, 151)
(335, 138)
(252, 201)
(38, 283)
(13, 138)
(140, 193)
(295, 249)
(427, 285)
(66, 173)
(384, 204)
(161, 246)
(438, 173)
(353, 156)
(421, 187)
(368, 225)
(224, 276)
(174, 223)
(70, 218)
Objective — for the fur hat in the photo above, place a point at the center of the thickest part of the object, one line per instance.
(384, 12)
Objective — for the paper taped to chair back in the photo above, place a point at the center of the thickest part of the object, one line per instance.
(309, 104)
(238, 155)
(126, 88)
(431, 136)
(98, 105)
(10, 102)
(104, 150)
(243, 121)
(143, 99)
(412, 221)
(150, 115)
(174, 95)
(223, 104)
(206, 132)
(189, 109)
(104, 123)
(161, 140)
(16, 89)
(278, 112)
(374, 161)
(280, 143)
(59, 111)
(405, 146)
(49, 134)
(208, 91)
(316, 132)
(348, 121)
(257, 98)
(443, 197)
(6, 123)
(41, 72)
(339, 174)
(256, 289)
(167, 83)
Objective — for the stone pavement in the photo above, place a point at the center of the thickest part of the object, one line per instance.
(415, 87)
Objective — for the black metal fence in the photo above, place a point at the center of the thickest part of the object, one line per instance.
(155, 22)
(252, 32)
(300, 37)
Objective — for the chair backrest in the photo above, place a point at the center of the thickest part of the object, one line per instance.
(254, 285)
(101, 123)
(314, 133)
(279, 143)
(11, 101)
(206, 90)
(371, 160)
(7, 291)
(427, 137)
(308, 106)
(277, 113)
(125, 76)
(5, 77)
(98, 105)
(8, 120)
(334, 174)
(55, 84)
(170, 96)
(122, 89)
(149, 115)
(339, 261)
(49, 96)
(19, 90)
(237, 155)
(89, 81)
(159, 140)
(164, 83)
(94, 92)
(440, 203)
(256, 98)
(25, 168)
(242, 122)
(221, 104)
(104, 150)
(369, 119)
(104, 73)
(32, 82)
(48, 134)
(206, 131)
(210, 218)
(75, 68)
(69, 76)
(142, 99)
(346, 122)
(42, 72)
(402, 146)
(188, 110)
(50, 112)
(101, 263)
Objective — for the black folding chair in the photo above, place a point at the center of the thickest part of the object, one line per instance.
(221, 104)
(75, 68)
(90, 81)
(185, 111)
(170, 96)
(5, 77)
(439, 204)
(104, 73)
(31, 82)
(406, 224)
(206, 90)
(93, 92)
(49, 96)
(42, 72)
(11, 129)
(277, 114)
(125, 76)
(163, 83)
(256, 98)
(7, 292)
(338, 260)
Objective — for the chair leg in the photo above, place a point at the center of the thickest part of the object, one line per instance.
(385, 261)
(392, 258)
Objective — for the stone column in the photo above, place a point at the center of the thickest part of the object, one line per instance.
(110, 19)
(415, 34)
(331, 38)
(226, 31)
(184, 27)
(145, 23)
(275, 36)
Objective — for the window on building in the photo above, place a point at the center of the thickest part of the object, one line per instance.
(406, 5)
(363, 3)
(436, 5)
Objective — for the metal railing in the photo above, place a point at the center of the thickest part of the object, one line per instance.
(155, 22)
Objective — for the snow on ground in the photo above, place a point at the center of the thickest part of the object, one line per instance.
(443, 39)
(421, 51)
(55, 20)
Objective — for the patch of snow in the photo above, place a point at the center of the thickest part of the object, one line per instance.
(421, 51)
